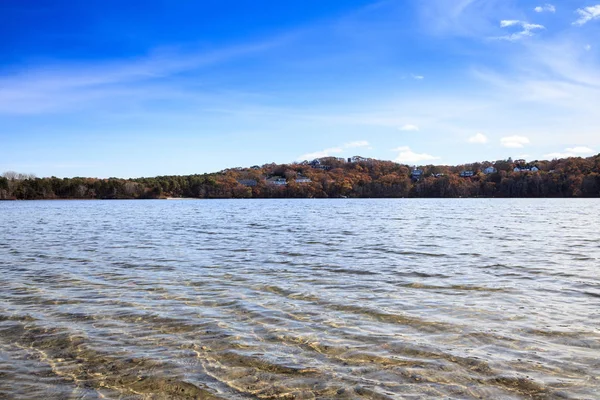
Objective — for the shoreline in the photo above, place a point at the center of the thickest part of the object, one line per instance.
(314, 198)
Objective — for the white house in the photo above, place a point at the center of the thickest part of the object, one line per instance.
(490, 170)
(303, 179)
(526, 169)
(278, 181)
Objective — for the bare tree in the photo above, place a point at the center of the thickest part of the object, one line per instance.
(10, 175)
(17, 176)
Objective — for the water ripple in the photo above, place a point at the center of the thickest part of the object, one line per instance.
(377, 299)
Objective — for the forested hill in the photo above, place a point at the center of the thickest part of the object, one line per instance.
(332, 178)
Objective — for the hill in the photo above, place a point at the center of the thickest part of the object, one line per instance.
(332, 178)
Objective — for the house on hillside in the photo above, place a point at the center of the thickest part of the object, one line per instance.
(490, 170)
(317, 164)
(526, 169)
(467, 174)
(303, 179)
(277, 181)
(416, 173)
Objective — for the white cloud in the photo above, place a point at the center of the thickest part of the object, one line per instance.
(478, 138)
(546, 7)
(358, 143)
(417, 77)
(318, 154)
(588, 47)
(579, 151)
(514, 142)
(407, 156)
(334, 150)
(509, 22)
(587, 14)
(552, 156)
(526, 29)
(409, 127)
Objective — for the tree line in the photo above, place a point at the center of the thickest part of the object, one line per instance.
(329, 178)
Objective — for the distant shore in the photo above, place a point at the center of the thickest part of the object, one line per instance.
(330, 177)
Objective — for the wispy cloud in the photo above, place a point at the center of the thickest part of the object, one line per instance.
(409, 127)
(417, 77)
(407, 156)
(459, 17)
(545, 8)
(514, 142)
(61, 87)
(478, 138)
(579, 151)
(559, 73)
(527, 29)
(509, 22)
(321, 153)
(335, 150)
(587, 14)
(358, 143)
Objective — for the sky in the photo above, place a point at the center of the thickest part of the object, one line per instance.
(155, 87)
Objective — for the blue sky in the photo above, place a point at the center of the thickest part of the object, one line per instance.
(144, 88)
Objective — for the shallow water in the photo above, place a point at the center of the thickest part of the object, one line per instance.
(303, 299)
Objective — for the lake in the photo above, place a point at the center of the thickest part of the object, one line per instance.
(237, 299)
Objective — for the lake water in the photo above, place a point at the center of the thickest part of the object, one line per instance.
(235, 299)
